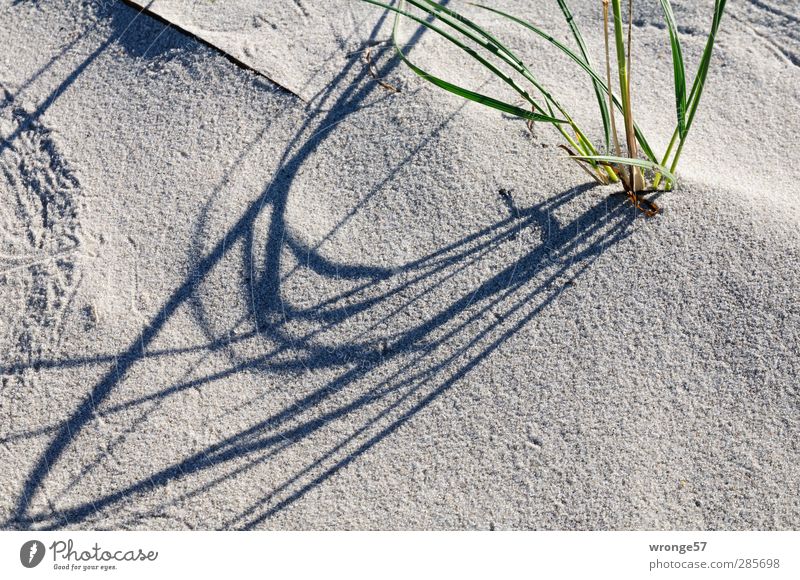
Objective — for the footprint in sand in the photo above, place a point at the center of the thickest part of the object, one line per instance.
(39, 232)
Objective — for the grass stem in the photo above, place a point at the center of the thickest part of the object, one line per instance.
(541, 105)
(615, 136)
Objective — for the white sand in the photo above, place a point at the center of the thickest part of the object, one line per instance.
(224, 307)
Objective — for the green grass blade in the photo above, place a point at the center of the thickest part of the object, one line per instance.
(478, 97)
(494, 46)
(600, 93)
(471, 52)
(642, 163)
(679, 73)
(621, 60)
(468, 28)
(490, 43)
(579, 61)
(705, 59)
(455, 89)
(700, 78)
(498, 46)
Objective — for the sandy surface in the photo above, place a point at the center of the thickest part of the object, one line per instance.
(222, 306)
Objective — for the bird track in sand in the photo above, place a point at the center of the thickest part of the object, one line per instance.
(39, 238)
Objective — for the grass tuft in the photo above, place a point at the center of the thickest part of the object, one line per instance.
(541, 105)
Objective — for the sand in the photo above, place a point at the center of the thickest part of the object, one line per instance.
(225, 304)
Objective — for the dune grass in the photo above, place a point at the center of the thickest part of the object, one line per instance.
(606, 164)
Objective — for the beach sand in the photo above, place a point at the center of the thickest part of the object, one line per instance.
(314, 303)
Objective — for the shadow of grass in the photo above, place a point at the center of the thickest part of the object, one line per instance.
(374, 389)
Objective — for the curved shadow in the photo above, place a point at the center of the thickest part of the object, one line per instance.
(379, 387)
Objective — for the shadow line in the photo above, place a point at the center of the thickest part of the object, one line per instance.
(405, 375)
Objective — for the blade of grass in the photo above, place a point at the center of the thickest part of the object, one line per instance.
(617, 148)
(678, 72)
(598, 89)
(473, 26)
(621, 69)
(489, 45)
(634, 176)
(488, 42)
(646, 149)
(642, 163)
(461, 91)
(478, 97)
(493, 46)
(585, 165)
(700, 79)
(638, 178)
(697, 89)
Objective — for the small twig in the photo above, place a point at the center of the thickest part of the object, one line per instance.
(530, 123)
(366, 47)
(373, 72)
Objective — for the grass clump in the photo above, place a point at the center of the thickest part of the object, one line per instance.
(630, 167)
